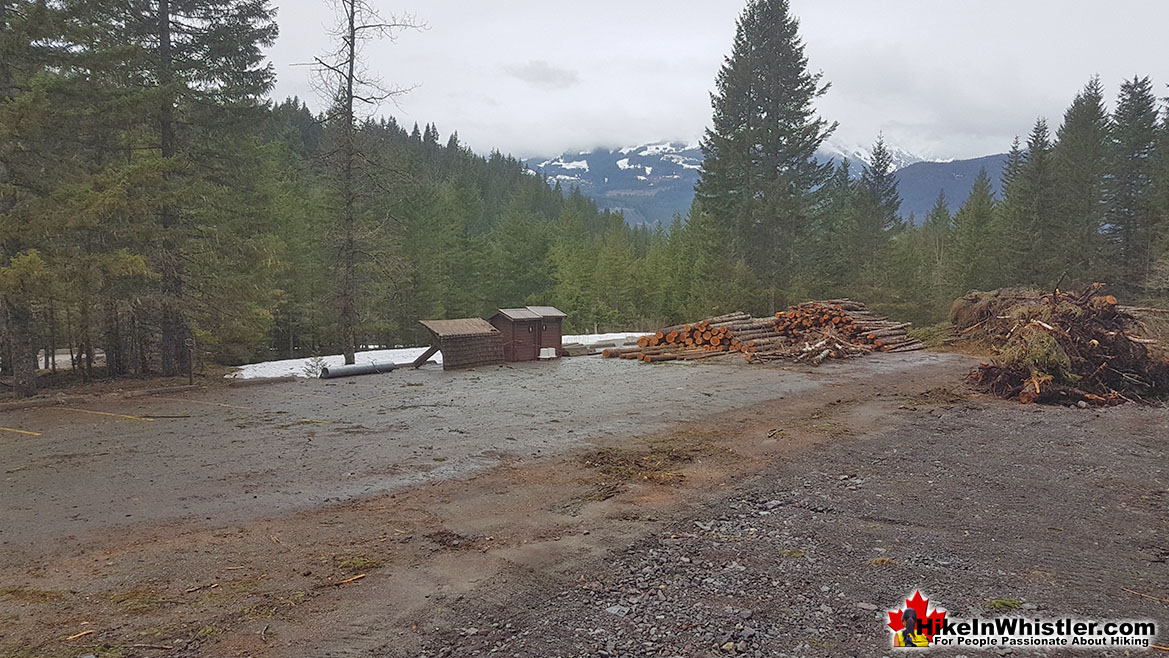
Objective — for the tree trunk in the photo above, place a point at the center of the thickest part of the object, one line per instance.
(175, 330)
(349, 245)
(23, 345)
(85, 338)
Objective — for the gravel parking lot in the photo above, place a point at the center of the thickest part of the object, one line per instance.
(584, 508)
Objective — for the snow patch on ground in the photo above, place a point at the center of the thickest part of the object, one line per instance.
(400, 356)
(623, 164)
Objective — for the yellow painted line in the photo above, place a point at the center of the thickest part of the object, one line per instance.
(104, 413)
(9, 429)
(212, 404)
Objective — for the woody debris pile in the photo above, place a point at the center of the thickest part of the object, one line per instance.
(807, 333)
(1077, 348)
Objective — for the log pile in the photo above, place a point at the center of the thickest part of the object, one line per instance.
(1064, 348)
(807, 333)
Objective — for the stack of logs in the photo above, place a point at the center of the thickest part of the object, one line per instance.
(809, 333)
(685, 342)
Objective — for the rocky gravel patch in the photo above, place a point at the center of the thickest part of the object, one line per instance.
(969, 503)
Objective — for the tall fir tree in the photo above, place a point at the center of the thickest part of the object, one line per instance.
(969, 265)
(759, 166)
(878, 204)
(1131, 216)
(1080, 164)
(1042, 239)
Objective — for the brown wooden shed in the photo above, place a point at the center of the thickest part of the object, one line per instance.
(551, 327)
(526, 330)
(464, 343)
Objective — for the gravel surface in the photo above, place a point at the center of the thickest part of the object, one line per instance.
(1054, 510)
(230, 455)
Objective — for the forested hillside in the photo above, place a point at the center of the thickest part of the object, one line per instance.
(155, 206)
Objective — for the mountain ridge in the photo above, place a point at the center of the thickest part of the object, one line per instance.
(653, 182)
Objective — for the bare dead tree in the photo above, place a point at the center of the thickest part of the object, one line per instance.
(353, 91)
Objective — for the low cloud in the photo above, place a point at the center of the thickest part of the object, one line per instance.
(542, 75)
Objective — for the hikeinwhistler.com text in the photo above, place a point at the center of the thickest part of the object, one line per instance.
(1022, 632)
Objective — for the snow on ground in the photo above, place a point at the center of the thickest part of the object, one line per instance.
(594, 339)
(400, 356)
(296, 366)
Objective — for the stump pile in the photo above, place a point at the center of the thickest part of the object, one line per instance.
(1063, 348)
(807, 333)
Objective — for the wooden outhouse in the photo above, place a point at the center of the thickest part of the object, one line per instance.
(526, 330)
(551, 329)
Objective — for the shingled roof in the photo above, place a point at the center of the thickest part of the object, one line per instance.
(459, 328)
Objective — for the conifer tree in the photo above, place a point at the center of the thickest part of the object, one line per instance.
(1042, 240)
(879, 203)
(759, 164)
(1080, 165)
(833, 246)
(1129, 193)
(938, 229)
(969, 267)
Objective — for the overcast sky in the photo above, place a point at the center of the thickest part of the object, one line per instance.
(939, 79)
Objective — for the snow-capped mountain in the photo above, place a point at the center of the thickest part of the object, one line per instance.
(652, 182)
(648, 183)
(836, 149)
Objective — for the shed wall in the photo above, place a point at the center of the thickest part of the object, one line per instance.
(471, 351)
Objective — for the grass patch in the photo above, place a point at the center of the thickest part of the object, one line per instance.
(355, 563)
(792, 552)
(660, 462)
(139, 599)
(1003, 605)
(30, 595)
(935, 335)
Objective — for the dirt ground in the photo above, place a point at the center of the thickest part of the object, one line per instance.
(586, 507)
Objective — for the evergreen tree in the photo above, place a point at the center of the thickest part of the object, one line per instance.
(1129, 193)
(1042, 239)
(759, 166)
(206, 75)
(834, 246)
(879, 203)
(1080, 163)
(937, 231)
(968, 264)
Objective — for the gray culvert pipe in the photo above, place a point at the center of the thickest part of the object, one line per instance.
(357, 369)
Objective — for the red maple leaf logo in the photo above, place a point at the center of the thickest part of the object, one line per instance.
(931, 621)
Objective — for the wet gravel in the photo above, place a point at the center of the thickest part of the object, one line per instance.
(1056, 510)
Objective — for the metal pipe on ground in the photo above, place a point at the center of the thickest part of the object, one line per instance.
(357, 369)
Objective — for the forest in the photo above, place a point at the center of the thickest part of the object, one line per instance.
(158, 211)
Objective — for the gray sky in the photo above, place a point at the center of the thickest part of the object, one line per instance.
(942, 79)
